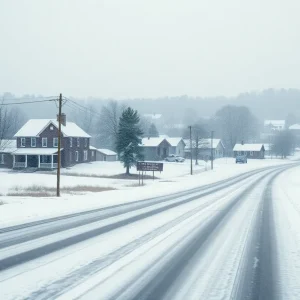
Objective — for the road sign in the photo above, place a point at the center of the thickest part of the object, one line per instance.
(149, 166)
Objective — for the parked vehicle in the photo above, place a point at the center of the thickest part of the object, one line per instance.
(241, 159)
(174, 158)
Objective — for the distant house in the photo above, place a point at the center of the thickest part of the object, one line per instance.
(204, 148)
(271, 127)
(177, 146)
(156, 148)
(295, 129)
(7, 147)
(105, 155)
(37, 143)
(250, 150)
(274, 125)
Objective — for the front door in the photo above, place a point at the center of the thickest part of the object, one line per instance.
(32, 161)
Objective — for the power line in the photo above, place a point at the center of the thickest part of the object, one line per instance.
(28, 102)
(74, 105)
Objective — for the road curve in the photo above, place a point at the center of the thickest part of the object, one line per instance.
(213, 242)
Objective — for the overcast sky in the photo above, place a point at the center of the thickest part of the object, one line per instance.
(148, 48)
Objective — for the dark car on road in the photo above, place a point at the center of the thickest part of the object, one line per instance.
(242, 159)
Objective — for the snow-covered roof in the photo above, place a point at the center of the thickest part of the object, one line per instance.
(152, 141)
(275, 123)
(175, 141)
(153, 116)
(36, 151)
(93, 148)
(35, 126)
(204, 143)
(248, 147)
(295, 127)
(8, 146)
(107, 152)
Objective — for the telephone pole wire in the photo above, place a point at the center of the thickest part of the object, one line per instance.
(191, 148)
(59, 146)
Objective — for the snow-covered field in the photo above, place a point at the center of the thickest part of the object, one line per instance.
(175, 178)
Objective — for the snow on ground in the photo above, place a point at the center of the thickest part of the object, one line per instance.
(16, 210)
(286, 199)
(103, 168)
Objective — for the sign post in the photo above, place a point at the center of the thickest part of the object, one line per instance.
(144, 166)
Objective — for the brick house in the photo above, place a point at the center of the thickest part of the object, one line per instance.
(37, 143)
(7, 147)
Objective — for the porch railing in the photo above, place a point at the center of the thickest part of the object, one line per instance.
(48, 165)
(19, 164)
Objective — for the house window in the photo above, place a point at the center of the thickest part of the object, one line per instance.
(55, 142)
(158, 151)
(93, 153)
(71, 142)
(70, 156)
(44, 142)
(85, 155)
(251, 153)
(78, 142)
(2, 159)
(85, 142)
(33, 142)
(23, 142)
(76, 155)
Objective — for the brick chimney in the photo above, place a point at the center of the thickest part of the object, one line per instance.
(63, 119)
(242, 142)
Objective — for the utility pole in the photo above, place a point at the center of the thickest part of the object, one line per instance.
(191, 148)
(212, 150)
(59, 145)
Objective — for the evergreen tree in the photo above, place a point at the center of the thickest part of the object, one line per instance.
(129, 138)
(153, 131)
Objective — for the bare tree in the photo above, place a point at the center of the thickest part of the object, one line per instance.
(108, 124)
(86, 118)
(11, 119)
(284, 143)
(199, 134)
(236, 124)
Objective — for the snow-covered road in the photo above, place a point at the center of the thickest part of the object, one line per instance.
(220, 241)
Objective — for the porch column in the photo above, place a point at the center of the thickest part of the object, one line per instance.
(14, 160)
(26, 161)
(52, 161)
(39, 161)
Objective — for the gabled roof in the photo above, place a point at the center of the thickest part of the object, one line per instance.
(107, 152)
(248, 147)
(295, 127)
(153, 141)
(35, 126)
(153, 116)
(8, 146)
(175, 141)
